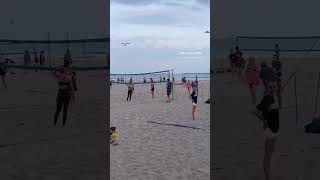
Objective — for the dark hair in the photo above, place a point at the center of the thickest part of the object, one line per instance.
(113, 128)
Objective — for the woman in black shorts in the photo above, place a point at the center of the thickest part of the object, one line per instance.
(3, 72)
(65, 93)
(268, 112)
(130, 90)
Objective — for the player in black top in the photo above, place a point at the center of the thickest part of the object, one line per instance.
(277, 66)
(233, 61)
(3, 71)
(268, 112)
(169, 89)
(152, 88)
(194, 98)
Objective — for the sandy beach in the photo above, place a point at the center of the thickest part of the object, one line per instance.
(157, 151)
(238, 142)
(32, 148)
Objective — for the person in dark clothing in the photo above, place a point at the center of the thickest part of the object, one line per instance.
(130, 90)
(67, 59)
(194, 98)
(277, 51)
(152, 87)
(65, 93)
(36, 60)
(27, 58)
(233, 61)
(169, 89)
(268, 113)
(266, 74)
(3, 71)
(277, 66)
(42, 59)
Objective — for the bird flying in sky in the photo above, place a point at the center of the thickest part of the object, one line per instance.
(125, 44)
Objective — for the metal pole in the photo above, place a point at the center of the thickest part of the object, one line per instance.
(67, 40)
(172, 83)
(316, 104)
(296, 99)
(202, 90)
(49, 50)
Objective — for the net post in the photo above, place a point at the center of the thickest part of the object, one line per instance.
(49, 50)
(172, 83)
(296, 99)
(67, 40)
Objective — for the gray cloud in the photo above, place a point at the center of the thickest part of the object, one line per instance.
(168, 2)
(273, 17)
(34, 18)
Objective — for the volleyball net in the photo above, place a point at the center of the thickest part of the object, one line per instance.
(87, 54)
(142, 78)
(196, 76)
(288, 45)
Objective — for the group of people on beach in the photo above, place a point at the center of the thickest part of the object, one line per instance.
(40, 60)
(237, 62)
(193, 94)
(66, 81)
(267, 110)
(37, 59)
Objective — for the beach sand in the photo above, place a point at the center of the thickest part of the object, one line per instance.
(155, 151)
(238, 143)
(32, 148)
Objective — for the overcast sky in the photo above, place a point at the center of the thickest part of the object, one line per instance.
(271, 17)
(164, 34)
(32, 19)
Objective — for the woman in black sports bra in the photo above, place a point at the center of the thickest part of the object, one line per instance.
(65, 93)
(194, 98)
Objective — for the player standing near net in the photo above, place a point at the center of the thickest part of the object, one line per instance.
(169, 89)
(27, 58)
(233, 61)
(189, 86)
(65, 93)
(36, 60)
(67, 59)
(3, 71)
(268, 112)
(251, 76)
(277, 51)
(266, 74)
(277, 66)
(152, 87)
(239, 59)
(130, 90)
(42, 59)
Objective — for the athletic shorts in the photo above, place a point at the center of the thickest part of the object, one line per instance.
(168, 93)
(269, 135)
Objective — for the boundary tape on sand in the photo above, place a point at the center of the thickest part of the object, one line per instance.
(178, 125)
